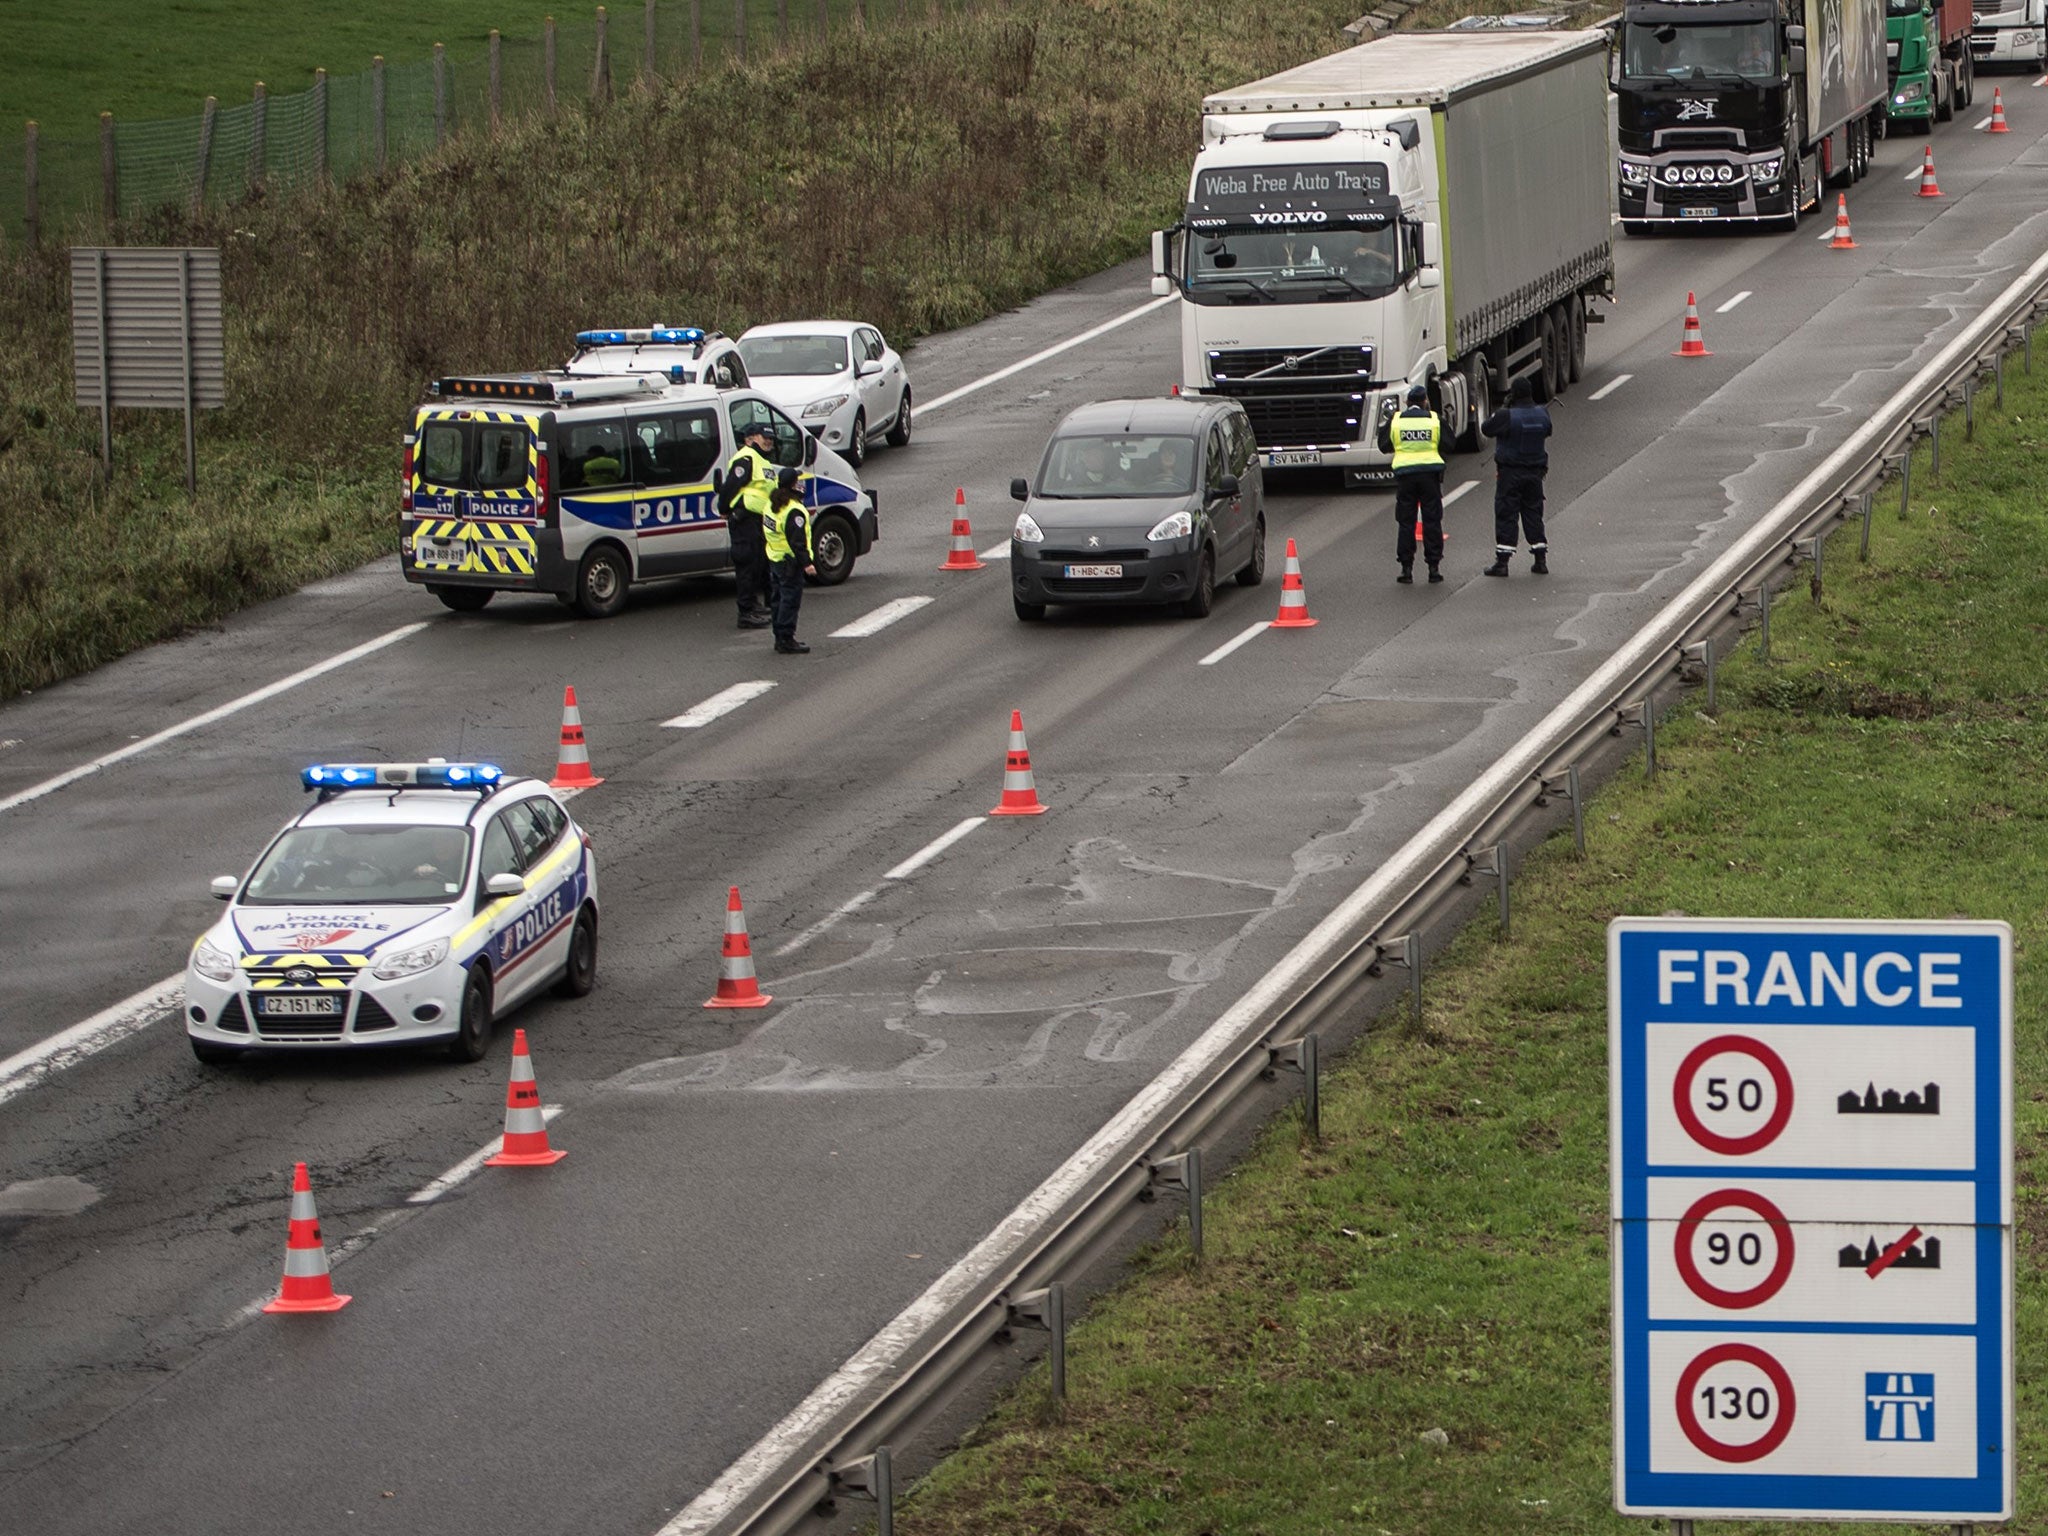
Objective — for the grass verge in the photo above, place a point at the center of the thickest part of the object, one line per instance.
(1441, 1261)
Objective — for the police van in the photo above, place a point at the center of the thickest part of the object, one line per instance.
(583, 485)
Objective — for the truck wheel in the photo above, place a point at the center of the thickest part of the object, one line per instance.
(832, 550)
(1576, 307)
(1968, 78)
(1479, 392)
(1543, 382)
(1944, 99)
(601, 582)
(464, 599)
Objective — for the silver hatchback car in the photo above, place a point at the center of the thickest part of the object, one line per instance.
(1141, 501)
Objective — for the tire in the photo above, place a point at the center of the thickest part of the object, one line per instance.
(1253, 571)
(211, 1055)
(1203, 598)
(1944, 100)
(1028, 613)
(1560, 349)
(1966, 80)
(857, 441)
(579, 975)
(464, 599)
(1478, 395)
(1539, 381)
(833, 546)
(601, 582)
(473, 1031)
(1577, 309)
(899, 432)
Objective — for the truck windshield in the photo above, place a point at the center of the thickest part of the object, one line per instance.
(1742, 50)
(1296, 266)
(1904, 7)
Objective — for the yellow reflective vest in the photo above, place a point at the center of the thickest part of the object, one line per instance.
(1418, 440)
(760, 484)
(775, 529)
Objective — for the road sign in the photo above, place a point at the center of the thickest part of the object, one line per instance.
(1812, 1200)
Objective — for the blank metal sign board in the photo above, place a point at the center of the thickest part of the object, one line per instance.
(1812, 1201)
(145, 321)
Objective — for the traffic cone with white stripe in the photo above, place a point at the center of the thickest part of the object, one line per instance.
(1293, 595)
(737, 985)
(1998, 123)
(572, 764)
(1020, 791)
(526, 1128)
(962, 556)
(1843, 240)
(1929, 187)
(307, 1287)
(1692, 343)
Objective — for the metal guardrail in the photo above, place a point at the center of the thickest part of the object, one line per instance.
(837, 1442)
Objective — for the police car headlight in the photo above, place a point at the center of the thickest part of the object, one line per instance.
(825, 407)
(212, 963)
(410, 962)
(1176, 526)
(1027, 531)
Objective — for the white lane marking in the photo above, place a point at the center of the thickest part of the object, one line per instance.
(825, 924)
(1722, 309)
(874, 623)
(2041, 82)
(1459, 491)
(1000, 552)
(1610, 386)
(933, 849)
(1917, 172)
(1980, 127)
(218, 712)
(926, 407)
(434, 1189)
(1246, 638)
(68, 1047)
(724, 702)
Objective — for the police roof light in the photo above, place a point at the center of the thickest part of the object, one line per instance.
(603, 338)
(677, 336)
(497, 389)
(330, 777)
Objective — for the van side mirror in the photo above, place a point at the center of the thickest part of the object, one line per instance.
(1020, 489)
(225, 886)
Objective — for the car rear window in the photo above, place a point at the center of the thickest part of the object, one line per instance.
(474, 456)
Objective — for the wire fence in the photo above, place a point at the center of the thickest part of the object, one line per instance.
(370, 121)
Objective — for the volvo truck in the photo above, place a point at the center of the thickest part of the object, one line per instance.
(1927, 57)
(1741, 111)
(2010, 34)
(1431, 208)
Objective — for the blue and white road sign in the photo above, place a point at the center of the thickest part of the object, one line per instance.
(1811, 1129)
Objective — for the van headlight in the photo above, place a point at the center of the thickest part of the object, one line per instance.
(213, 963)
(1176, 525)
(1027, 531)
(410, 962)
(825, 407)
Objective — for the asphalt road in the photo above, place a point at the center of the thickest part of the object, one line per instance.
(749, 1196)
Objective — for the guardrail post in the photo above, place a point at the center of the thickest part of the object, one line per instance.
(1496, 865)
(547, 66)
(868, 1478)
(1934, 447)
(1567, 785)
(1405, 951)
(1863, 547)
(1970, 409)
(1183, 1171)
(497, 84)
(1705, 648)
(1906, 479)
(110, 176)
(1998, 379)
(207, 115)
(1813, 585)
(1302, 1056)
(1644, 713)
(440, 95)
(31, 185)
(1762, 599)
(377, 112)
(259, 139)
(1046, 1309)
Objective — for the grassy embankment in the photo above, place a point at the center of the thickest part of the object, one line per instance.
(919, 177)
(1441, 1261)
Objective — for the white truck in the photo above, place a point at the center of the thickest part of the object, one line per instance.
(1432, 208)
(2010, 33)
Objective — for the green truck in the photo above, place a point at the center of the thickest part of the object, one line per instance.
(1927, 53)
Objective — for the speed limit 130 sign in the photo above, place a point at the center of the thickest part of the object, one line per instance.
(1812, 1205)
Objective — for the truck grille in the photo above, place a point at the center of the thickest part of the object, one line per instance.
(1303, 421)
(1309, 363)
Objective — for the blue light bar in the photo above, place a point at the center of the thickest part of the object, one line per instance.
(602, 338)
(434, 775)
(677, 336)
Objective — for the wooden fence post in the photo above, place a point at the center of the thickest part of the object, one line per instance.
(207, 114)
(648, 76)
(781, 25)
(497, 85)
(110, 185)
(601, 71)
(547, 65)
(320, 126)
(377, 112)
(696, 37)
(259, 140)
(739, 30)
(440, 95)
(31, 186)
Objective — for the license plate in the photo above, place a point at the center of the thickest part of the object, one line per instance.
(1080, 572)
(299, 1007)
(428, 552)
(1698, 213)
(1280, 460)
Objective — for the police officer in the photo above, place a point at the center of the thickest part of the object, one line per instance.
(744, 496)
(1415, 439)
(787, 534)
(1519, 463)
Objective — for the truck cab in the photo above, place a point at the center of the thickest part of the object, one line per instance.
(1928, 61)
(2010, 34)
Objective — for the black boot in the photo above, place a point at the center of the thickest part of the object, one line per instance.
(1498, 568)
(1407, 576)
(1435, 575)
(792, 648)
(1542, 565)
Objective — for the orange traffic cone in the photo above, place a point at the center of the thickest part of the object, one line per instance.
(737, 987)
(572, 765)
(962, 557)
(307, 1285)
(1691, 343)
(526, 1128)
(1020, 792)
(1998, 123)
(1843, 240)
(1929, 187)
(1445, 535)
(1293, 596)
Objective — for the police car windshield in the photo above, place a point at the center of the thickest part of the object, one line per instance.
(1296, 265)
(1079, 468)
(794, 357)
(377, 866)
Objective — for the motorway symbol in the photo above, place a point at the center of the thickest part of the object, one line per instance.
(1907, 1253)
(1749, 1096)
(1736, 1403)
(1926, 1101)
(1898, 1405)
(1740, 1252)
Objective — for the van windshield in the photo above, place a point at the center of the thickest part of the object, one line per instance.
(1099, 466)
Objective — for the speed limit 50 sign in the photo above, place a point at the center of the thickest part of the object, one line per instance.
(1812, 1206)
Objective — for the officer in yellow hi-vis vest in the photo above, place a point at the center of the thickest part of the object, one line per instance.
(788, 536)
(1416, 439)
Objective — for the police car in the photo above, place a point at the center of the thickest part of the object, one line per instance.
(411, 902)
(682, 354)
(581, 485)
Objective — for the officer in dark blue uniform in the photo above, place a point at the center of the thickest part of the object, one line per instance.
(1519, 463)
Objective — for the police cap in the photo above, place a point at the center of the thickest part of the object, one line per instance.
(1417, 394)
(787, 479)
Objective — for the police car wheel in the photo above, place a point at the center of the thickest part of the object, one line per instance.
(212, 1055)
(464, 599)
(601, 583)
(473, 1035)
(832, 550)
(899, 434)
(580, 974)
(857, 440)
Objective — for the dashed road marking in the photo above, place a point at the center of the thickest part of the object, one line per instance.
(1609, 387)
(1459, 491)
(724, 702)
(1228, 646)
(881, 618)
(435, 1188)
(68, 1047)
(1722, 309)
(926, 407)
(825, 924)
(999, 552)
(933, 849)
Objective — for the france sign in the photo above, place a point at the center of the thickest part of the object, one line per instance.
(1811, 1126)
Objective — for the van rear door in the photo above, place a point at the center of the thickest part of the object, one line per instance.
(476, 493)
